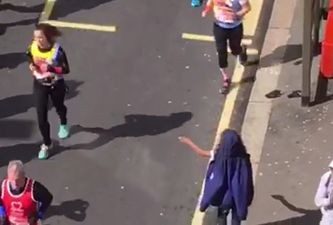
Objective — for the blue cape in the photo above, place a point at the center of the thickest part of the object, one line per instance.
(228, 182)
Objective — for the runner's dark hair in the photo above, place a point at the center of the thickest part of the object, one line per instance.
(50, 32)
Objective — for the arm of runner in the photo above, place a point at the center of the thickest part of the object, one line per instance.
(246, 7)
(194, 147)
(209, 5)
(43, 197)
(63, 67)
(32, 66)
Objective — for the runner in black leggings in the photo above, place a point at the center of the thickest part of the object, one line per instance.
(48, 63)
(228, 27)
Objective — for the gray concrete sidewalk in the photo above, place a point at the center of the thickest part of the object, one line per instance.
(296, 148)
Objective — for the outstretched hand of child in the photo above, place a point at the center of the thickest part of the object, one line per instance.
(184, 140)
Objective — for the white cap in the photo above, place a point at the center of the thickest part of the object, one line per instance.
(331, 165)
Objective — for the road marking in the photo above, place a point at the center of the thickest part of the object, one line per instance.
(250, 25)
(199, 37)
(82, 26)
(208, 38)
(46, 13)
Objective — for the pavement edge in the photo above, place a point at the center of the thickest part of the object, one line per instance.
(259, 107)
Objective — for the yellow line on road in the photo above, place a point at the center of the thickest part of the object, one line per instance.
(199, 37)
(229, 103)
(83, 26)
(198, 217)
(46, 13)
(250, 25)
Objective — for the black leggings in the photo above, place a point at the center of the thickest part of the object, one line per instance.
(223, 214)
(57, 94)
(222, 35)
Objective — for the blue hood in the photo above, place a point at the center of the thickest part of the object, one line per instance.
(228, 181)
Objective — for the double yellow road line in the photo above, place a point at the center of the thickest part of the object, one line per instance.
(48, 8)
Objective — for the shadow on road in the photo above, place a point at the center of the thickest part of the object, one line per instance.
(21, 8)
(134, 126)
(11, 60)
(74, 210)
(5, 26)
(309, 217)
(13, 128)
(66, 7)
(289, 53)
(24, 152)
(21, 103)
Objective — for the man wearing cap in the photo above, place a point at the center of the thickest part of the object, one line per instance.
(324, 197)
(23, 200)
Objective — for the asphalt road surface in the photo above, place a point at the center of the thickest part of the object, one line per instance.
(131, 94)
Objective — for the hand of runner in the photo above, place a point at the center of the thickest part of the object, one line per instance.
(205, 11)
(228, 12)
(32, 67)
(44, 67)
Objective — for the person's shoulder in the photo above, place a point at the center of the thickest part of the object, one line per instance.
(61, 50)
(36, 183)
(58, 46)
(29, 48)
(326, 175)
(38, 186)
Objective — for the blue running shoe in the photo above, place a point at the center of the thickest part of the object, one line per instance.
(63, 131)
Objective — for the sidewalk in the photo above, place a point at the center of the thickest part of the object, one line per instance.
(297, 148)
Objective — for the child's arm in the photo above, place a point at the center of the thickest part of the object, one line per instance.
(246, 7)
(194, 147)
(208, 7)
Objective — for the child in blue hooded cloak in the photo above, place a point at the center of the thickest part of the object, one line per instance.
(228, 183)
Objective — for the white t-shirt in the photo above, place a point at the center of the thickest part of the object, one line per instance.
(225, 21)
